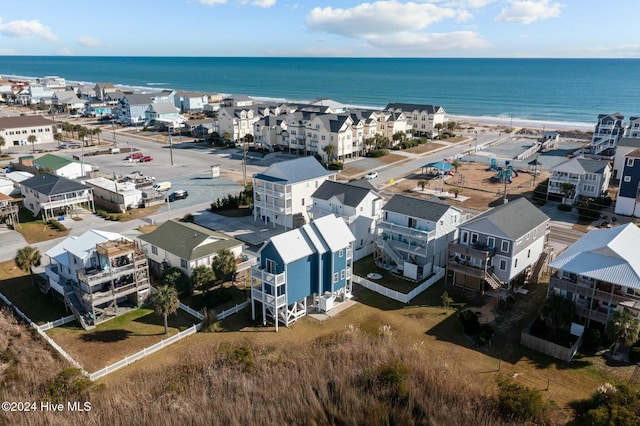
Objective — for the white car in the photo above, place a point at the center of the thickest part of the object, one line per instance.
(371, 175)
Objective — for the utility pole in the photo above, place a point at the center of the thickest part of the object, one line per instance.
(244, 163)
(171, 148)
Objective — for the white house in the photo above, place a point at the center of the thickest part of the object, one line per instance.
(186, 246)
(162, 112)
(49, 195)
(190, 101)
(68, 100)
(357, 203)
(589, 177)
(62, 166)
(608, 131)
(16, 130)
(422, 119)
(115, 195)
(282, 193)
(413, 235)
(238, 121)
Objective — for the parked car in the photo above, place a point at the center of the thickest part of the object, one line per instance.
(146, 159)
(371, 175)
(180, 194)
(162, 186)
(135, 155)
(64, 146)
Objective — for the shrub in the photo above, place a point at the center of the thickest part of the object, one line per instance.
(57, 225)
(634, 354)
(565, 207)
(244, 356)
(69, 385)
(174, 277)
(188, 218)
(378, 153)
(335, 165)
(518, 402)
(593, 338)
(470, 323)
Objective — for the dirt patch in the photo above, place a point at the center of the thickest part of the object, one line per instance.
(425, 147)
(391, 158)
(350, 172)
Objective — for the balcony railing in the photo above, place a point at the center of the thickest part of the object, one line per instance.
(316, 213)
(267, 277)
(424, 235)
(101, 297)
(268, 298)
(470, 270)
(478, 251)
(66, 201)
(586, 288)
(278, 194)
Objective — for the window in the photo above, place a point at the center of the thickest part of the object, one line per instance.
(271, 266)
(335, 277)
(491, 242)
(184, 264)
(341, 253)
(529, 253)
(588, 188)
(503, 265)
(154, 249)
(465, 237)
(474, 238)
(342, 274)
(627, 179)
(303, 201)
(629, 162)
(515, 264)
(505, 247)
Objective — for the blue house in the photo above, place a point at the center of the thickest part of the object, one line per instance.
(312, 263)
(628, 195)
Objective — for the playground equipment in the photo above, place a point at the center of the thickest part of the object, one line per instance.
(504, 174)
(493, 165)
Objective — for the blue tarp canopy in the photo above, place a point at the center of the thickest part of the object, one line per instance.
(441, 166)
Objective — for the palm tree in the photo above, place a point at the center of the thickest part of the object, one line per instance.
(566, 188)
(623, 329)
(2, 143)
(32, 140)
(166, 302)
(438, 127)
(455, 164)
(58, 138)
(224, 264)
(97, 132)
(329, 150)
(26, 258)
(423, 183)
(558, 311)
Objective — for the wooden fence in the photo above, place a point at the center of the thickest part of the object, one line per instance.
(549, 348)
(396, 295)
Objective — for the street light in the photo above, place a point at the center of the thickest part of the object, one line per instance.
(475, 150)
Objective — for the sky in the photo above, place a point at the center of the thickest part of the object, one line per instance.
(322, 28)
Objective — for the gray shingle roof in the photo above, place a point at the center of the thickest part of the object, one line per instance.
(581, 166)
(294, 171)
(188, 240)
(49, 184)
(633, 142)
(431, 109)
(348, 195)
(415, 207)
(513, 219)
(24, 121)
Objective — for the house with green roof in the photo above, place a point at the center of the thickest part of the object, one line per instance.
(62, 166)
(186, 246)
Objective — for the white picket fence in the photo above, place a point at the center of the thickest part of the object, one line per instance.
(222, 315)
(57, 323)
(191, 311)
(145, 352)
(43, 334)
(396, 295)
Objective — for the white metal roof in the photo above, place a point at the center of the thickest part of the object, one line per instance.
(608, 255)
(334, 232)
(293, 245)
(80, 246)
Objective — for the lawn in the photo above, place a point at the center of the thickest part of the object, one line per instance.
(119, 337)
(16, 286)
(34, 230)
(366, 265)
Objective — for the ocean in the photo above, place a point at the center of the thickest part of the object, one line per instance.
(549, 90)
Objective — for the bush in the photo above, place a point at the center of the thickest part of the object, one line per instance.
(634, 354)
(375, 153)
(565, 207)
(470, 323)
(593, 338)
(188, 218)
(57, 225)
(335, 165)
(174, 277)
(520, 403)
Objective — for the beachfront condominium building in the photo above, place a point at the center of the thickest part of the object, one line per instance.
(499, 249)
(309, 264)
(590, 178)
(412, 235)
(330, 129)
(357, 203)
(237, 122)
(633, 129)
(627, 202)
(98, 275)
(270, 131)
(422, 119)
(282, 192)
(48, 195)
(133, 107)
(601, 273)
(16, 130)
(608, 131)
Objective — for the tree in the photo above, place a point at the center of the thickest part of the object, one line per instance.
(26, 258)
(623, 329)
(32, 140)
(566, 189)
(438, 127)
(174, 277)
(202, 277)
(451, 125)
(226, 136)
(423, 183)
(558, 311)
(446, 300)
(456, 191)
(165, 303)
(58, 138)
(456, 164)
(329, 150)
(399, 136)
(97, 132)
(224, 264)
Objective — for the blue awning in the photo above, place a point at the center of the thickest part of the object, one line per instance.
(440, 165)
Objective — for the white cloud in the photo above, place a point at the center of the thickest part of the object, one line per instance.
(431, 42)
(65, 51)
(381, 17)
(211, 2)
(528, 11)
(27, 29)
(8, 52)
(263, 3)
(88, 41)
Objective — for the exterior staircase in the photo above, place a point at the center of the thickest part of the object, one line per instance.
(534, 274)
(493, 280)
(78, 310)
(392, 253)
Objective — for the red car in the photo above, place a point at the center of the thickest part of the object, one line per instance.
(135, 155)
(146, 159)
